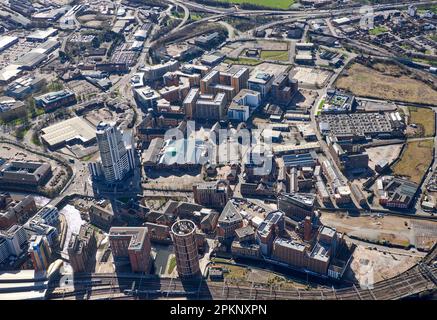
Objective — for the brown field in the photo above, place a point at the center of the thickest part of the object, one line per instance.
(425, 120)
(415, 160)
(387, 83)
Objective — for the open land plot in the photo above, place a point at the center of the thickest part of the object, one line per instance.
(424, 119)
(387, 83)
(277, 4)
(389, 153)
(311, 76)
(274, 55)
(369, 266)
(391, 230)
(414, 160)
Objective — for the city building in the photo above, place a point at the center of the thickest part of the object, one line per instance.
(133, 244)
(81, 248)
(13, 242)
(54, 100)
(15, 211)
(210, 107)
(272, 226)
(24, 174)
(40, 252)
(116, 154)
(261, 82)
(101, 217)
(183, 234)
(229, 220)
(284, 89)
(23, 87)
(11, 109)
(297, 205)
(214, 194)
(398, 193)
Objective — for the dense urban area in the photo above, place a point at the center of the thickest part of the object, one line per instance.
(218, 149)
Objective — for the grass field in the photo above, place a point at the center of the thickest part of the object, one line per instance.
(378, 30)
(425, 119)
(243, 61)
(415, 160)
(277, 4)
(280, 55)
(387, 82)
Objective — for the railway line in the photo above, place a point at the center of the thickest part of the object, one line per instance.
(414, 281)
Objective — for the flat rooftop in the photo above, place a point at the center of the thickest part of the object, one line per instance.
(74, 128)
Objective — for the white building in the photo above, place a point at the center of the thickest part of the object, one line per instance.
(116, 153)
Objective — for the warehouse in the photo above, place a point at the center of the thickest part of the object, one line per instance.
(6, 42)
(69, 132)
(31, 60)
(41, 35)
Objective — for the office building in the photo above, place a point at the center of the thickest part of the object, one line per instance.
(297, 205)
(54, 100)
(24, 174)
(11, 109)
(133, 244)
(183, 234)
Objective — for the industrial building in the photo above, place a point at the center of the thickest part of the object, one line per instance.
(398, 193)
(69, 132)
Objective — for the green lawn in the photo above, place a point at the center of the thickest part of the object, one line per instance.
(378, 30)
(277, 4)
(279, 55)
(243, 61)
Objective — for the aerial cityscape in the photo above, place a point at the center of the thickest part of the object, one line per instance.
(218, 150)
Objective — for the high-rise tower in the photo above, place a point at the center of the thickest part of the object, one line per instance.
(183, 233)
(116, 153)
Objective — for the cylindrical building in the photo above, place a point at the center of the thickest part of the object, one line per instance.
(183, 233)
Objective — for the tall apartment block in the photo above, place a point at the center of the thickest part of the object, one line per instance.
(40, 252)
(187, 261)
(131, 243)
(81, 248)
(116, 154)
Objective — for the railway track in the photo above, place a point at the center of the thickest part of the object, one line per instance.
(406, 284)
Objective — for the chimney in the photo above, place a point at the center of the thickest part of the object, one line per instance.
(307, 229)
